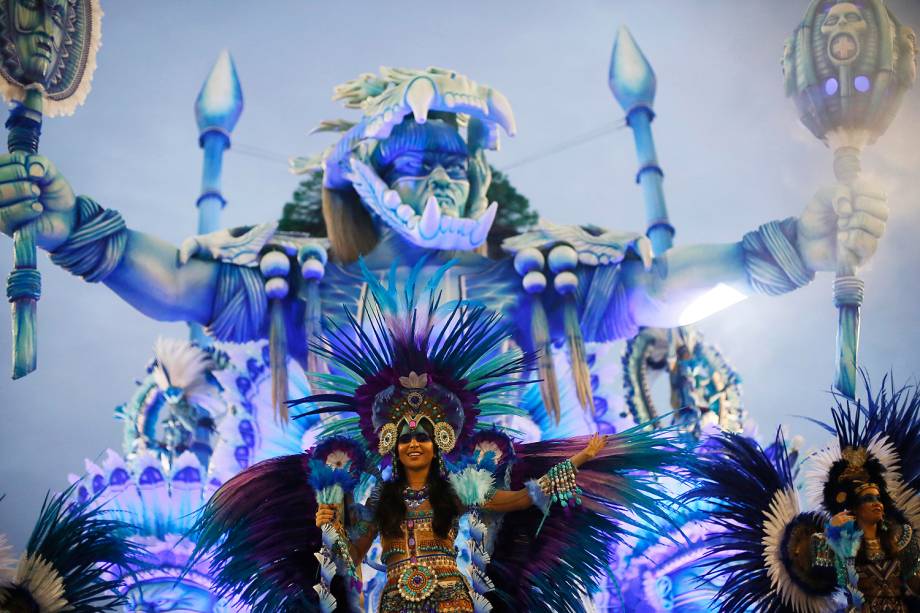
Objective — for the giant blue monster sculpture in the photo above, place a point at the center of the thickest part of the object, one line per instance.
(405, 186)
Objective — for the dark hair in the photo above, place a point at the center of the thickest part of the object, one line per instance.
(887, 536)
(840, 489)
(348, 225)
(391, 511)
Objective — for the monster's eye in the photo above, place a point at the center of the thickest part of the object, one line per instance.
(408, 164)
(853, 17)
(456, 168)
(831, 20)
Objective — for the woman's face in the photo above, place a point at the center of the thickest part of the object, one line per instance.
(415, 447)
(870, 509)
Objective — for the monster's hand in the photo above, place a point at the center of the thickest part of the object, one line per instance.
(852, 216)
(32, 190)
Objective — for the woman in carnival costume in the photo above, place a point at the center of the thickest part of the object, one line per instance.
(289, 534)
(858, 551)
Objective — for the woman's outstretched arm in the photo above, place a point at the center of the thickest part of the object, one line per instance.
(506, 501)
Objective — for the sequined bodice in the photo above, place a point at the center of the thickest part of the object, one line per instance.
(419, 534)
(422, 573)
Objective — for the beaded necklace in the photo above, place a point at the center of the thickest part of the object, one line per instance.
(415, 498)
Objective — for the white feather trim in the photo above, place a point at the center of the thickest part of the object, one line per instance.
(905, 499)
(326, 566)
(784, 506)
(480, 604)
(66, 106)
(819, 465)
(478, 529)
(7, 561)
(181, 364)
(327, 601)
(481, 582)
(479, 557)
(44, 583)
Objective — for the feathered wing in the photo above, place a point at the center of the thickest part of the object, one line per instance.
(259, 533)
(67, 562)
(761, 544)
(620, 494)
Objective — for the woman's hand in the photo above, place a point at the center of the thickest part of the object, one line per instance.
(841, 518)
(325, 515)
(587, 454)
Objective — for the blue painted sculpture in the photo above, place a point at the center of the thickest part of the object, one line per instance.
(407, 182)
(409, 179)
(198, 417)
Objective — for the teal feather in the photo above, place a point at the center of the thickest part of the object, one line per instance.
(844, 539)
(87, 548)
(472, 485)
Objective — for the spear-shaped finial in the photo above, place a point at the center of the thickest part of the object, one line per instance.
(633, 83)
(217, 109)
(632, 79)
(220, 101)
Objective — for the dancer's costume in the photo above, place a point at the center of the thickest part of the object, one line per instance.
(407, 362)
(776, 558)
(71, 562)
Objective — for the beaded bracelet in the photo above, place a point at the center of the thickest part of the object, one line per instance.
(559, 484)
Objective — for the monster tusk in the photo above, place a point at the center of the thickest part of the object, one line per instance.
(483, 224)
(500, 112)
(431, 219)
(391, 199)
(419, 97)
(644, 247)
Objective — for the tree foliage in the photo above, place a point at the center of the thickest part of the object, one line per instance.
(304, 212)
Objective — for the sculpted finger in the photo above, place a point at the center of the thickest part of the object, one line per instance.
(870, 189)
(877, 207)
(40, 169)
(862, 244)
(12, 172)
(860, 221)
(842, 200)
(17, 158)
(17, 191)
(16, 215)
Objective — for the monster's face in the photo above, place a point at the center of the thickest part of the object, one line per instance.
(38, 34)
(843, 26)
(434, 166)
(166, 594)
(416, 159)
(843, 17)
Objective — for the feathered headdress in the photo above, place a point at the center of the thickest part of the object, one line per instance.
(877, 444)
(411, 361)
(72, 560)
